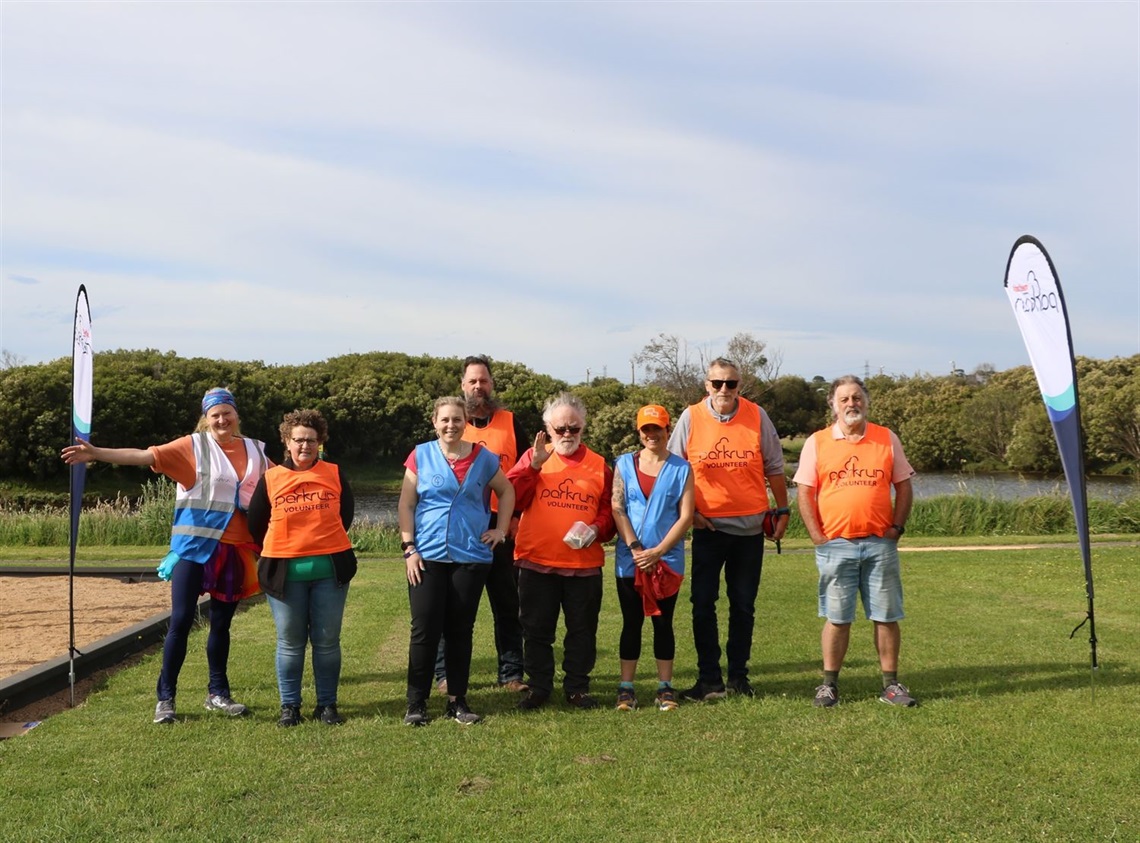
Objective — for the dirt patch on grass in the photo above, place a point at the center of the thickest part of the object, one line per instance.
(34, 626)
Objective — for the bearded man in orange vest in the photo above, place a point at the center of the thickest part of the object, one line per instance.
(495, 428)
(736, 456)
(565, 493)
(845, 477)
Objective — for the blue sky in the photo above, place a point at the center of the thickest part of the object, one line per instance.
(558, 183)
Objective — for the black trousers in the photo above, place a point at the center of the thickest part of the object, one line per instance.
(633, 619)
(503, 595)
(444, 603)
(741, 558)
(541, 597)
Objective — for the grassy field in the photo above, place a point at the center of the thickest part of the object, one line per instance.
(1010, 743)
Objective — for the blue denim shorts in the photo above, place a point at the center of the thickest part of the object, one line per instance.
(867, 567)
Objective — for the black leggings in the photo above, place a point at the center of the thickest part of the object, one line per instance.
(633, 617)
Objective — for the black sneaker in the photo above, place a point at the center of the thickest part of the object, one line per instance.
(417, 714)
(328, 715)
(458, 711)
(582, 700)
(826, 695)
(740, 685)
(164, 712)
(703, 693)
(290, 716)
(533, 700)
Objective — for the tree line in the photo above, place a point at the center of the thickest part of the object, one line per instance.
(378, 405)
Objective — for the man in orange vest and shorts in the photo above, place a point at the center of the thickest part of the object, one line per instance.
(736, 456)
(845, 476)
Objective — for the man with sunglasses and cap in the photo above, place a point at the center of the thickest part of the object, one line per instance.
(736, 456)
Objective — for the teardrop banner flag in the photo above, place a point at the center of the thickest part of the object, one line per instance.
(1034, 291)
(82, 363)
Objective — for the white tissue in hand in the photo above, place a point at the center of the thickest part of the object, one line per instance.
(579, 535)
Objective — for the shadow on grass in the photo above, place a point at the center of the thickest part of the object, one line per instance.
(860, 677)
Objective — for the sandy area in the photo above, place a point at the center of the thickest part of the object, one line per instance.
(34, 625)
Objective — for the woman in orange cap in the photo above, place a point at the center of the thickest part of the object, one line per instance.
(653, 504)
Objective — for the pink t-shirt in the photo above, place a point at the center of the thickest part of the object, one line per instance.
(460, 466)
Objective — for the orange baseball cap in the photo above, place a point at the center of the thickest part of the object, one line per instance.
(652, 414)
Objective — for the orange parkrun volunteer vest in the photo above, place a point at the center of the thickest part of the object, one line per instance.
(564, 494)
(728, 462)
(498, 437)
(853, 483)
(304, 517)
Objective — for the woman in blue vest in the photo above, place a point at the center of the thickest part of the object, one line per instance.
(211, 549)
(653, 504)
(444, 510)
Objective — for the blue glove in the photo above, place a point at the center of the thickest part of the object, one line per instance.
(166, 566)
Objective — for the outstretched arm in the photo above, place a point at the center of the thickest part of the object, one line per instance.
(86, 452)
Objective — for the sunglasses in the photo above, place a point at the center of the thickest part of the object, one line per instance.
(572, 430)
(718, 384)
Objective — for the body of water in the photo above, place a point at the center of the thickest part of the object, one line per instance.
(382, 508)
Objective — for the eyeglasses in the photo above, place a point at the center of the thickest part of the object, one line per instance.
(571, 430)
(300, 442)
(717, 384)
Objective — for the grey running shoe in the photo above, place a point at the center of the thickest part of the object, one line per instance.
(897, 694)
(220, 702)
(164, 712)
(458, 711)
(417, 714)
(703, 693)
(826, 695)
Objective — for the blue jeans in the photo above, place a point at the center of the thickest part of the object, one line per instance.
(867, 568)
(741, 558)
(311, 611)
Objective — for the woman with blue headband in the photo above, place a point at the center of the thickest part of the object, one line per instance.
(211, 549)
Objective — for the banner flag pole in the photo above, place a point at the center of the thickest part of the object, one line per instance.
(82, 360)
(1034, 291)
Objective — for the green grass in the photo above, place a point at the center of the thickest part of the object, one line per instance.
(1010, 742)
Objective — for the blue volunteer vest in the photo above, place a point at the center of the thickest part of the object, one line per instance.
(451, 517)
(652, 517)
(202, 512)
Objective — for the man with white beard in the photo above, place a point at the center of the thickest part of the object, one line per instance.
(845, 476)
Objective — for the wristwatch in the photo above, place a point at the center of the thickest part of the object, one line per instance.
(406, 545)
(636, 545)
(901, 529)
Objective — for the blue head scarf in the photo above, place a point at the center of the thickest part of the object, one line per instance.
(217, 396)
